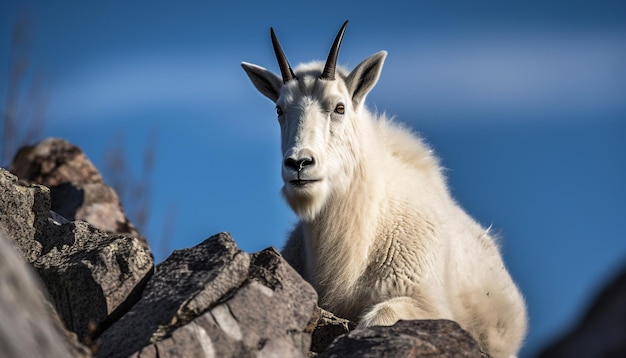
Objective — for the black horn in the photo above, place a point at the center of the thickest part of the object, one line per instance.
(285, 69)
(331, 62)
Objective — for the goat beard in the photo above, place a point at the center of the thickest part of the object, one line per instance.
(306, 202)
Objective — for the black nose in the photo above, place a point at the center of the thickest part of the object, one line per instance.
(299, 164)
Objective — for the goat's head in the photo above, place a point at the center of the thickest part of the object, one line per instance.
(318, 111)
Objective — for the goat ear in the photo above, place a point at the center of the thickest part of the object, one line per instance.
(265, 81)
(363, 78)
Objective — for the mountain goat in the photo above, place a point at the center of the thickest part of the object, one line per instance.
(379, 236)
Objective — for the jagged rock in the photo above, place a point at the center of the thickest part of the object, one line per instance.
(328, 328)
(23, 213)
(183, 286)
(434, 338)
(78, 191)
(92, 276)
(29, 326)
(602, 330)
(216, 300)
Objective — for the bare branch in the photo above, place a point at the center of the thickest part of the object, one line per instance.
(134, 189)
(23, 115)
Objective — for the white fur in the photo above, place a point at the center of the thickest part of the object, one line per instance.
(379, 236)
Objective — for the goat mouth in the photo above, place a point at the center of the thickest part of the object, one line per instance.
(301, 182)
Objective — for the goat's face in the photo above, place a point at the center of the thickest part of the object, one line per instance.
(318, 135)
(318, 116)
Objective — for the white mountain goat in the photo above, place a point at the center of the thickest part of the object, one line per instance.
(379, 236)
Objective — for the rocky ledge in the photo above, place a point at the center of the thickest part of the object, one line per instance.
(74, 288)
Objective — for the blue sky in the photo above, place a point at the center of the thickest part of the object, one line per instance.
(523, 101)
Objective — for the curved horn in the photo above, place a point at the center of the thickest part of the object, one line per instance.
(285, 69)
(331, 62)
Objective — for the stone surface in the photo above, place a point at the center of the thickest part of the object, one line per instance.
(92, 276)
(23, 213)
(183, 286)
(29, 326)
(241, 305)
(284, 330)
(435, 338)
(328, 328)
(78, 191)
(268, 316)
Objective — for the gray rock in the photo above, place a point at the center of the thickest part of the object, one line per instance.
(240, 305)
(275, 310)
(435, 338)
(23, 213)
(185, 285)
(328, 328)
(78, 191)
(93, 277)
(29, 326)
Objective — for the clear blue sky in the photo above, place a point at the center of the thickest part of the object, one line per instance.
(524, 102)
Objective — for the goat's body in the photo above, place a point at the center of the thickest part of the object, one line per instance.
(398, 235)
(379, 237)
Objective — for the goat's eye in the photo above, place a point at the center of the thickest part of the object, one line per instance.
(340, 108)
(279, 111)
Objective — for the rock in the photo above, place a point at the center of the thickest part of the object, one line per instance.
(434, 338)
(215, 300)
(23, 213)
(276, 309)
(29, 326)
(602, 330)
(78, 191)
(92, 277)
(183, 286)
(328, 328)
